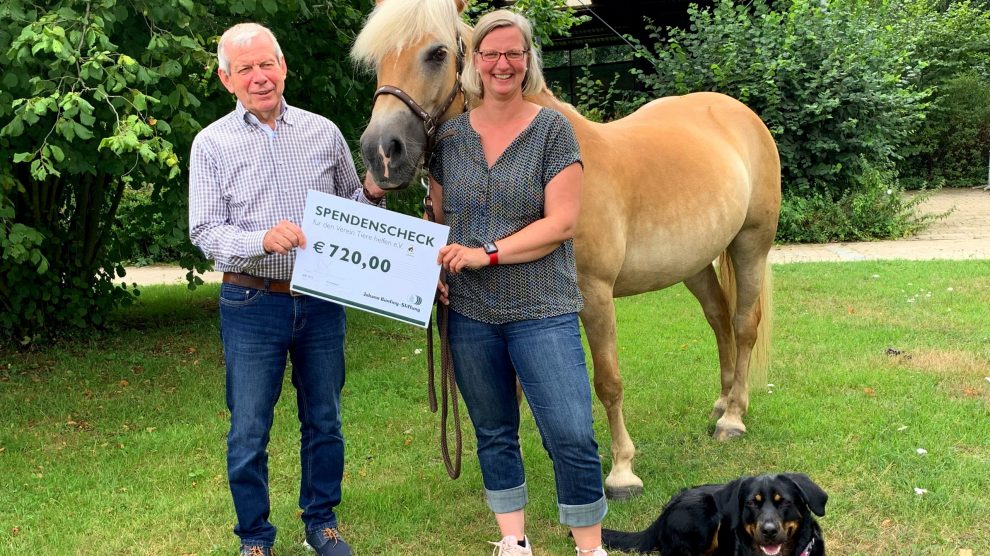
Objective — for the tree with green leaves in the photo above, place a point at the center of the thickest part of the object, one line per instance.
(102, 96)
(92, 92)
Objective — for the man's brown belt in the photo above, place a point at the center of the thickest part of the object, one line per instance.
(255, 282)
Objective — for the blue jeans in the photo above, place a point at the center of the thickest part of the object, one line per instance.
(547, 357)
(259, 329)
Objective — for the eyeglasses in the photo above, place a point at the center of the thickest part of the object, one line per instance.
(493, 55)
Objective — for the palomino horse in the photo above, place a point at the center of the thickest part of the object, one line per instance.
(667, 190)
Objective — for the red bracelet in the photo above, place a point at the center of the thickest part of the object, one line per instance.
(493, 258)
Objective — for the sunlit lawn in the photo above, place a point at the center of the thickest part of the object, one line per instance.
(115, 444)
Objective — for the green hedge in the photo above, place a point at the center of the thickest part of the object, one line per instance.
(954, 142)
(849, 89)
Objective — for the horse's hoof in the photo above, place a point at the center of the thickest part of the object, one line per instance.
(623, 493)
(723, 434)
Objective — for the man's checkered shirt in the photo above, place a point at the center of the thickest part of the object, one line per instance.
(245, 178)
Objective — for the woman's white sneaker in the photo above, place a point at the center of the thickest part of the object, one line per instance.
(509, 546)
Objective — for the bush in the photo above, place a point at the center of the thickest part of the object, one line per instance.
(834, 88)
(876, 208)
(954, 141)
(601, 103)
(840, 84)
(147, 236)
(954, 144)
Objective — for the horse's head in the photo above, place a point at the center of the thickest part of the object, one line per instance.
(417, 49)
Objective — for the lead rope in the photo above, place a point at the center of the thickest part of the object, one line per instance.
(448, 386)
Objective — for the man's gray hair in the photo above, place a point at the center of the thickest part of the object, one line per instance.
(242, 34)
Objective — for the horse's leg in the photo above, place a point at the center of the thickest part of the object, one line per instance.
(748, 253)
(705, 286)
(598, 318)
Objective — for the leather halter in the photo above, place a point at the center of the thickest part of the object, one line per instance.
(448, 386)
(430, 121)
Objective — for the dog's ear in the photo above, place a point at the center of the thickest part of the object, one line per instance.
(813, 494)
(728, 503)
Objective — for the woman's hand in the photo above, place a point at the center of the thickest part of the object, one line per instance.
(455, 258)
(443, 294)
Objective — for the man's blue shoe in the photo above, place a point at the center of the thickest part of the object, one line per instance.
(255, 550)
(327, 542)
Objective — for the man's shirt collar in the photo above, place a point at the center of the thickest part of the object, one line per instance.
(249, 118)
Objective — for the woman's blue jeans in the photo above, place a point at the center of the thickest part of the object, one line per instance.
(547, 357)
(259, 330)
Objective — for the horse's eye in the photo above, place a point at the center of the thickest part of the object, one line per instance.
(439, 54)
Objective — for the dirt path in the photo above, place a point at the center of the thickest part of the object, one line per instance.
(964, 234)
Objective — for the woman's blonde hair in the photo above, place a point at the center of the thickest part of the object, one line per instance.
(533, 81)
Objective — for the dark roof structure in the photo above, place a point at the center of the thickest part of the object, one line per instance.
(612, 18)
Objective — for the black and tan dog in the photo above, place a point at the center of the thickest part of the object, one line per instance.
(769, 515)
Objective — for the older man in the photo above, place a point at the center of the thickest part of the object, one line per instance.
(249, 174)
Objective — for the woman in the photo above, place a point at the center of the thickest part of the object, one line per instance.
(508, 175)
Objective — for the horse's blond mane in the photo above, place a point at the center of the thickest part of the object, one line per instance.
(396, 24)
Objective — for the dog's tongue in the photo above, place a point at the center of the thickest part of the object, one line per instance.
(771, 550)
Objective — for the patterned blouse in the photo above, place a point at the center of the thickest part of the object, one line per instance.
(483, 204)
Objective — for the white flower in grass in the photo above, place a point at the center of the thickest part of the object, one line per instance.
(920, 491)
(417, 351)
(921, 451)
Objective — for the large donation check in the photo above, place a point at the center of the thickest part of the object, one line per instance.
(368, 258)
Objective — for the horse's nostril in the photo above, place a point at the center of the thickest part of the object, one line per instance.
(393, 148)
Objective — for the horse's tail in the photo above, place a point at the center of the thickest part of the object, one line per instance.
(759, 362)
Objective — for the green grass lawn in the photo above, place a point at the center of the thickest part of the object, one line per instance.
(115, 444)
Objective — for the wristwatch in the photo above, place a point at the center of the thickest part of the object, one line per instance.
(492, 250)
